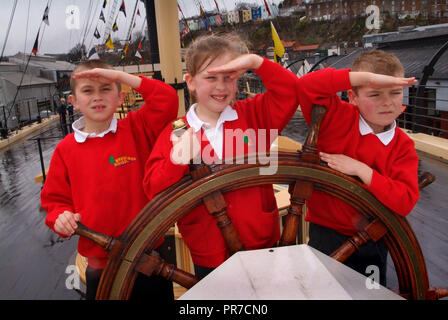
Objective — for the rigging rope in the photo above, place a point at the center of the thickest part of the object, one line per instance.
(9, 28)
(24, 71)
(26, 30)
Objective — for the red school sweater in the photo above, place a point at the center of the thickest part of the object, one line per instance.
(253, 210)
(101, 178)
(395, 177)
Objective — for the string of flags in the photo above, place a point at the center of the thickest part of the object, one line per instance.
(102, 16)
(93, 53)
(123, 8)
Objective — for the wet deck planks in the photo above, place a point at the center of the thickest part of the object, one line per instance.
(33, 260)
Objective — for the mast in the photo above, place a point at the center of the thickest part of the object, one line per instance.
(163, 28)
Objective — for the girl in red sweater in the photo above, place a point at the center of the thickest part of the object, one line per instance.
(214, 65)
(95, 172)
(361, 138)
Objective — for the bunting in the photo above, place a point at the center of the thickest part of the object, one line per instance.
(109, 43)
(96, 34)
(123, 8)
(102, 16)
(184, 33)
(125, 51)
(138, 55)
(93, 54)
(45, 17)
(138, 12)
(279, 50)
(115, 26)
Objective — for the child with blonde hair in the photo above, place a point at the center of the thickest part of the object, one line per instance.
(214, 64)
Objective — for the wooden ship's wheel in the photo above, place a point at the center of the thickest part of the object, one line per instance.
(133, 253)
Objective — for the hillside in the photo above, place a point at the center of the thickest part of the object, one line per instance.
(305, 31)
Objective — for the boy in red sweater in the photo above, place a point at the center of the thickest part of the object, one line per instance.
(361, 138)
(214, 64)
(96, 172)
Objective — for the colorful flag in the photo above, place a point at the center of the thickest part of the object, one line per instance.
(279, 50)
(93, 54)
(267, 7)
(126, 49)
(184, 33)
(45, 17)
(115, 26)
(123, 8)
(102, 16)
(96, 34)
(138, 12)
(138, 55)
(109, 43)
(139, 46)
(104, 4)
(34, 51)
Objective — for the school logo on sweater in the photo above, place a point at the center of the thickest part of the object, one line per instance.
(121, 160)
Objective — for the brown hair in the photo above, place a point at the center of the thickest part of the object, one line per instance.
(89, 65)
(208, 48)
(378, 61)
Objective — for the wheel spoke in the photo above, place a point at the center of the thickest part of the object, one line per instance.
(152, 264)
(373, 231)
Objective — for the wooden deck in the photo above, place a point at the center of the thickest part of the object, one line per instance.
(429, 220)
(34, 260)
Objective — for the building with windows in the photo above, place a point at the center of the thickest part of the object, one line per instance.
(345, 9)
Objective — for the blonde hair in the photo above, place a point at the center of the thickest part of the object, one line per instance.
(89, 65)
(206, 49)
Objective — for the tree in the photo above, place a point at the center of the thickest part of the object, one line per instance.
(76, 53)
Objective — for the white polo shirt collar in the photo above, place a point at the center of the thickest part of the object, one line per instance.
(81, 136)
(385, 137)
(213, 134)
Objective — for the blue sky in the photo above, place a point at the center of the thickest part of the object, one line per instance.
(57, 38)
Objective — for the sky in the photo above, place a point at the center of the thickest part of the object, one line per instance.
(64, 33)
